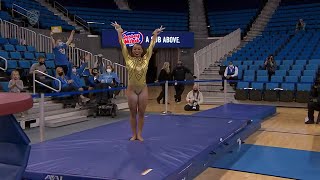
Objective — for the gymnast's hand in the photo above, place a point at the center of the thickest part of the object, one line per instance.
(116, 26)
(159, 30)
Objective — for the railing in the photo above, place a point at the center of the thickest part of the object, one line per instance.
(23, 13)
(82, 22)
(105, 61)
(58, 6)
(5, 64)
(75, 53)
(47, 75)
(215, 51)
(9, 30)
(122, 72)
(28, 37)
(44, 43)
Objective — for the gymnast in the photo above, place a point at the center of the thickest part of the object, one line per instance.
(137, 92)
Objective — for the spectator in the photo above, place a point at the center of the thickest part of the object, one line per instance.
(60, 53)
(230, 73)
(179, 74)
(77, 82)
(108, 79)
(313, 105)
(300, 25)
(164, 75)
(40, 66)
(93, 79)
(194, 99)
(270, 65)
(67, 85)
(15, 84)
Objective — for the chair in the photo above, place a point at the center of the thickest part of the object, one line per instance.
(281, 73)
(21, 48)
(270, 93)
(255, 94)
(9, 47)
(15, 55)
(29, 55)
(4, 86)
(262, 73)
(295, 73)
(242, 91)
(4, 54)
(50, 56)
(31, 49)
(306, 79)
(287, 92)
(277, 79)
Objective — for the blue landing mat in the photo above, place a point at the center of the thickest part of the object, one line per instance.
(240, 111)
(173, 145)
(281, 162)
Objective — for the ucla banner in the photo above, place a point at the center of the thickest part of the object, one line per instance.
(166, 39)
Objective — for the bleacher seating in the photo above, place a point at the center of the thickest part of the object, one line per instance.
(227, 16)
(46, 18)
(133, 20)
(22, 57)
(286, 17)
(224, 22)
(296, 53)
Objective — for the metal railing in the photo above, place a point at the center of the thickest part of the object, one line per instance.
(62, 9)
(23, 13)
(215, 51)
(122, 73)
(47, 75)
(75, 53)
(9, 30)
(5, 64)
(27, 37)
(44, 43)
(82, 22)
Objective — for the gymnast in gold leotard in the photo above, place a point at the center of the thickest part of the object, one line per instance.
(137, 91)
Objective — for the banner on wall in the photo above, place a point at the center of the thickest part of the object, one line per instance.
(166, 39)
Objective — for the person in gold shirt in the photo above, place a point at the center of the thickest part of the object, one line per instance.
(137, 92)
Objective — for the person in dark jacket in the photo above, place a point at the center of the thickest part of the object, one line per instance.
(270, 65)
(164, 75)
(313, 105)
(179, 74)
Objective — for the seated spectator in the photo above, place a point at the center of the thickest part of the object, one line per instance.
(300, 25)
(15, 84)
(76, 78)
(313, 105)
(270, 65)
(92, 80)
(107, 79)
(40, 66)
(230, 73)
(194, 99)
(67, 84)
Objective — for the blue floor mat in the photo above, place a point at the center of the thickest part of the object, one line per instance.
(281, 162)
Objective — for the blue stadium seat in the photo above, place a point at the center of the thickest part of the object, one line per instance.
(50, 64)
(31, 49)
(288, 62)
(281, 73)
(3, 41)
(24, 64)
(29, 56)
(9, 47)
(243, 85)
(15, 55)
(272, 86)
(284, 67)
(297, 67)
(262, 78)
(257, 85)
(4, 54)
(277, 79)
(248, 78)
(13, 41)
(309, 73)
(304, 87)
(288, 86)
(306, 79)
(21, 48)
(12, 65)
(4, 86)
(295, 73)
(39, 54)
(262, 73)
(301, 62)
(312, 67)
(293, 79)
(249, 73)
(50, 56)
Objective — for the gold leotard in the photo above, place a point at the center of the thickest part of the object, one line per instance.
(137, 67)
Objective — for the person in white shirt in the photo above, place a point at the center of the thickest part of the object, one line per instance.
(230, 73)
(194, 99)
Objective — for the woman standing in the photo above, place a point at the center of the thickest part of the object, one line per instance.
(137, 92)
(163, 76)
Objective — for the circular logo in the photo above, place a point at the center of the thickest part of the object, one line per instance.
(131, 38)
